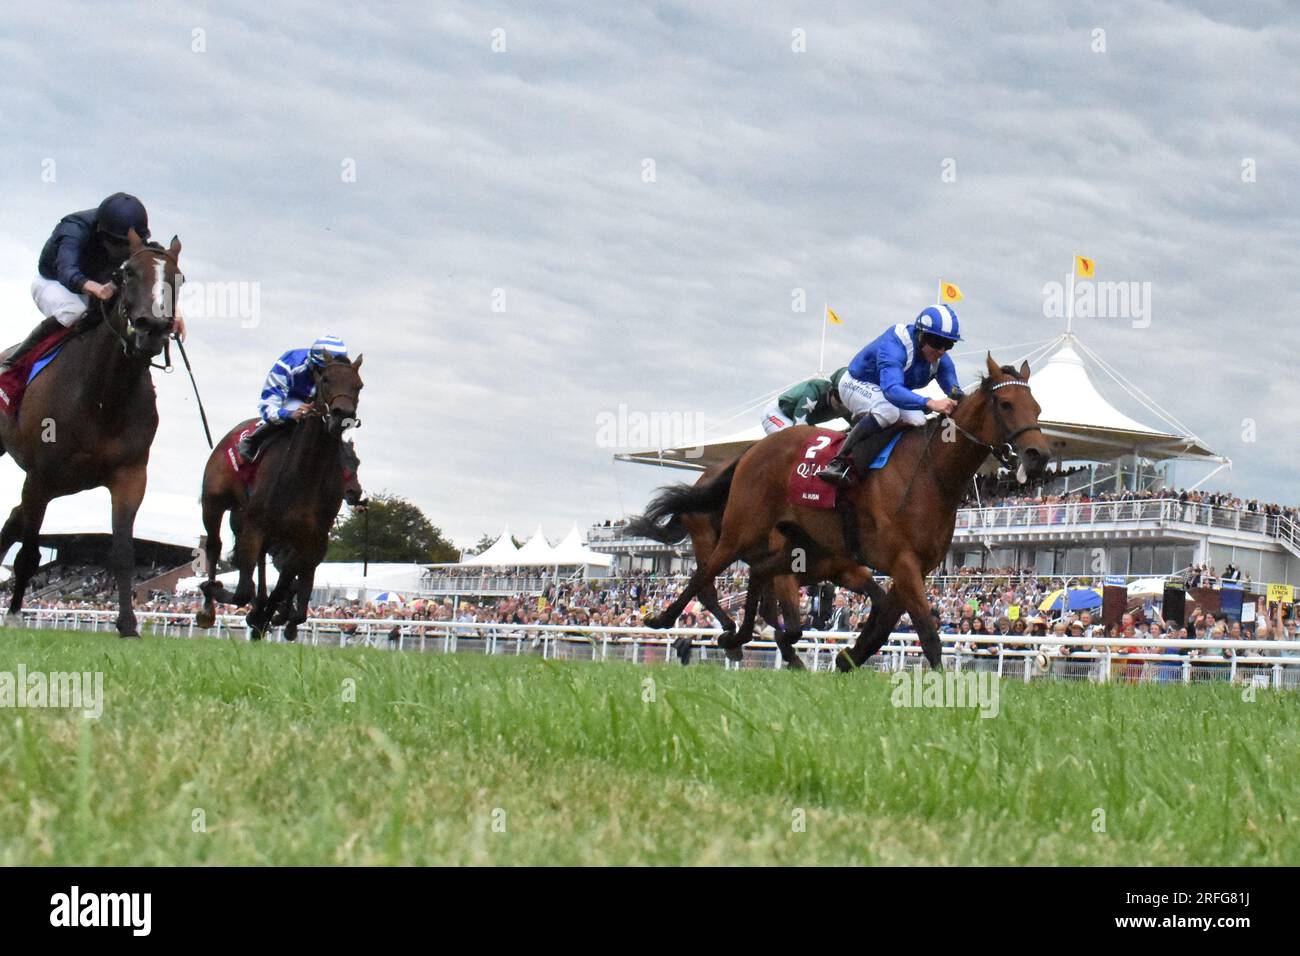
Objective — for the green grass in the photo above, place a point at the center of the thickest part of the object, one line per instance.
(716, 769)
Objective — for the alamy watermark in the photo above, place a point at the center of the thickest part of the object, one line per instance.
(1100, 300)
(632, 430)
(968, 689)
(55, 690)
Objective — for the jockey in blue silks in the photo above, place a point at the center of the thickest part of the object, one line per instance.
(880, 386)
(290, 389)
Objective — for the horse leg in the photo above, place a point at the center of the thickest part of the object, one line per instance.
(713, 604)
(703, 540)
(733, 643)
(786, 590)
(259, 611)
(705, 573)
(127, 490)
(305, 582)
(30, 515)
(909, 583)
(212, 515)
(874, 633)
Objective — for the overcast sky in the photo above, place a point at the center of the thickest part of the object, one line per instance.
(775, 169)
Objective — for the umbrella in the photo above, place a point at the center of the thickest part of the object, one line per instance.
(1145, 586)
(389, 597)
(1077, 599)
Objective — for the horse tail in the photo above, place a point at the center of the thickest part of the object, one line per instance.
(662, 520)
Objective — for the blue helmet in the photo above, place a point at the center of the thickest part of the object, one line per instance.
(939, 320)
(120, 213)
(327, 348)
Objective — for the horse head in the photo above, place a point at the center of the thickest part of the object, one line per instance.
(352, 492)
(148, 284)
(1011, 421)
(338, 387)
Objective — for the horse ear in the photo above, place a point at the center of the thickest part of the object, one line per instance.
(1024, 370)
(357, 363)
(175, 247)
(134, 239)
(993, 366)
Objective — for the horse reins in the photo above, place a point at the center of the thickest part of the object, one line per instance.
(1004, 451)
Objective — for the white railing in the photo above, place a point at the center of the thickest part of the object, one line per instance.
(1162, 511)
(1265, 663)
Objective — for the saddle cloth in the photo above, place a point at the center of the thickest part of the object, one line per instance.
(809, 491)
(244, 471)
(14, 381)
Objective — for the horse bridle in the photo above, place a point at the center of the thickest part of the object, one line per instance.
(323, 408)
(1005, 451)
(119, 309)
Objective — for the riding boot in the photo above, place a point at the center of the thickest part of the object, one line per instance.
(837, 471)
(251, 444)
(34, 338)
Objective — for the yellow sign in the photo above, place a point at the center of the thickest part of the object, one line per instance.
(949, 292)
(1084, 268)
(1013, 612)
(1281, 594)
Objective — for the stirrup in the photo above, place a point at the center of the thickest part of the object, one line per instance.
(839, 477)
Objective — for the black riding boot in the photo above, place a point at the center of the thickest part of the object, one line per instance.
(46, 327)
(251, 444)
(836, 473)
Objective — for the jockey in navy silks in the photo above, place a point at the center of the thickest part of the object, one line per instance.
(290, 389)
(880, 386)
(77, 263)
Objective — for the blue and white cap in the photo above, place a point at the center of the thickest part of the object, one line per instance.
(327, 348)
(939, 320)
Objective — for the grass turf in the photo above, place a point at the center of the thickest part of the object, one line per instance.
(222, 752)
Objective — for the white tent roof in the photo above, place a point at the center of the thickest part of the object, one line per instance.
(573, 551)
(1067, 395)
(502, 554)
(536, 550)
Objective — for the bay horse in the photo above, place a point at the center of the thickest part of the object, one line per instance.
(905, 512)
(290, 508)
(89, 419)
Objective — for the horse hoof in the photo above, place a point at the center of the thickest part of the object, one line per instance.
(727, 640)
(129, 637)
(657, 622)
(795, 663)
(843, 663)
(735, 654)
(205, 619)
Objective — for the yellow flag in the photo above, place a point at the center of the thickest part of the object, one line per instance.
(1084, 268)
(832, 317)
(949, 292)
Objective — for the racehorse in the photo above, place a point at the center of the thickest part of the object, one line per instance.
(290, 508)
(905, 512)
(89, 419)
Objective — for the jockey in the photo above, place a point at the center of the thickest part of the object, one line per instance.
(289, 390)
(880, 386)
(808, 403)
(78, 262)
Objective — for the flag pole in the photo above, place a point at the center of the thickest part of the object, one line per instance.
(821, 358)
(939, 298)
(1069, 300)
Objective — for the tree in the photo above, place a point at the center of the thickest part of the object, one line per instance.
(397, 531)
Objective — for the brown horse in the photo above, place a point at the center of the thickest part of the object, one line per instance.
(905, 511)
(89, 419)
(295, 497)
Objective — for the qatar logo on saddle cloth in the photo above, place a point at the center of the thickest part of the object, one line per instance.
(809, 491)
(14, 382)
(244, 471)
